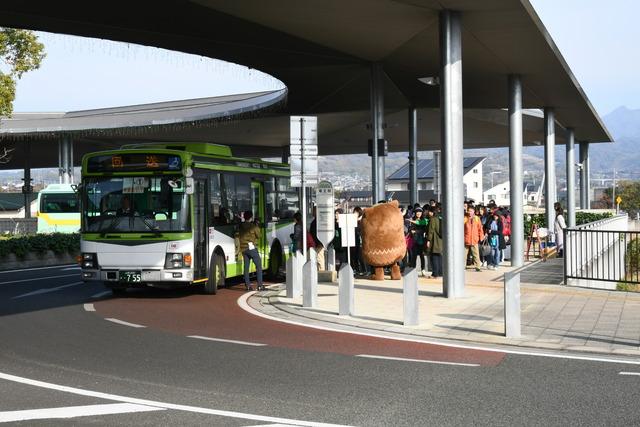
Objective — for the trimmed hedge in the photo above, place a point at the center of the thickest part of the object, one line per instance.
(581, 218)
(59, 243)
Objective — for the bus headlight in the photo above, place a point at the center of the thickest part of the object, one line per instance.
(88, 260)
(177, 260)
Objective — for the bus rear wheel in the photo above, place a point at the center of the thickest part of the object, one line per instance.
(215, 279)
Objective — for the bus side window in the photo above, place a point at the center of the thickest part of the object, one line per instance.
(217, 211)
(271, 213)
(243, 196)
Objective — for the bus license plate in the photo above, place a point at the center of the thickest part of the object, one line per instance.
(130, 276)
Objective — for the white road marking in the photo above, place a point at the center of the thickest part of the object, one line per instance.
(101, 294)
(276, 425)
(630, 373)
(39, 278)
(402, 359)
(36, 268)
(165, 405)
(75, 411)
(255, 344)
(77, 267)
(47, 290)
(122, 322)
(89, 307)
(242, 302)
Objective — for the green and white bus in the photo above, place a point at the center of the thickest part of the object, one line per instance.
(167, 214)
(58, 209)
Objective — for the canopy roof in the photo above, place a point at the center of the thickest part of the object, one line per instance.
(322, 51)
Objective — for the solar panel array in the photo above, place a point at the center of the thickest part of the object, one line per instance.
(426, 169)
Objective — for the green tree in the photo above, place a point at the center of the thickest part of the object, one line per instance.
(629, 192)
(20, 52)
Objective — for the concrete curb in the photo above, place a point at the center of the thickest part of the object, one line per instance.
(270, 303)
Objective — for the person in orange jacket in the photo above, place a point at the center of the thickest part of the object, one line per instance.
(473, 234)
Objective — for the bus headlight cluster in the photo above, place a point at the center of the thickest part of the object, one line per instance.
(177, 260)
(88, 260)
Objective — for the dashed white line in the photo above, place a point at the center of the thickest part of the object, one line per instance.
(144, 402)
(74, 411)
(630, 373)
(402, 359)
(77, 267)
(47, 290)
(122, 322)
(89, 307)
(36, 268)
(254, 344)
(39, 278)
(101, 294)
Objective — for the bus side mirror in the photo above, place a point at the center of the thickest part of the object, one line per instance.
(189, 186)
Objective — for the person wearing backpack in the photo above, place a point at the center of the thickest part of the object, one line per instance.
(434, 243)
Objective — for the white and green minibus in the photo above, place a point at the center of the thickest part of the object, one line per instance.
(167, 215)
(58, 209)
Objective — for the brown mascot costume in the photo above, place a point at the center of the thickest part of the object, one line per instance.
(383, 241)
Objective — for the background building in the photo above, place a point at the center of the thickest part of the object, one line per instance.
(472, 179)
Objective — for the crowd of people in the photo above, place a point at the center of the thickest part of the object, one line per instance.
(487, 231)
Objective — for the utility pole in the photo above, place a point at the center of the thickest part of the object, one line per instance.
(613, 196)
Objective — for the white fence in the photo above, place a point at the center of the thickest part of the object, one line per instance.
(595, 253)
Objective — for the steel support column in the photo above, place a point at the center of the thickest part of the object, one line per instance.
(452, 157)
(60, 162)
(70, 178)
(571, 179)
(549, 166)
(437, 175)
(413, 156)
(585, 185)
(377, 128)
(27, 189)
(515, 170)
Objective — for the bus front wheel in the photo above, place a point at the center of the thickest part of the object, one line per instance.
(216, 275)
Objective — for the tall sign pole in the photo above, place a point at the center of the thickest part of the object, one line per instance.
(304, 162)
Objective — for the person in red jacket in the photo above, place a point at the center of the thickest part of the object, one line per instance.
(473, 234)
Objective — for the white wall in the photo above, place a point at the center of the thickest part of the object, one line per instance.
(473, 182)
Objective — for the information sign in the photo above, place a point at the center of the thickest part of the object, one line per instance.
(325, 218)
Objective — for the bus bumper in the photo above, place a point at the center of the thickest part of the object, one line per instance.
(148, 277)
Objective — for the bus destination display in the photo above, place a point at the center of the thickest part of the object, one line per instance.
(134, 162)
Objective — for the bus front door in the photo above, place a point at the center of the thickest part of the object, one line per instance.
(200, 231)
(257, 206)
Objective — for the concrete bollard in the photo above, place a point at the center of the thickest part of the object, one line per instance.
(290, 276)
(512, 327)
(331, 258)
(294, 275)
(410, 293)
(310, 282)
(345, 291)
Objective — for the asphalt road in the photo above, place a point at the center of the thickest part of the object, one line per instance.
(135, 361)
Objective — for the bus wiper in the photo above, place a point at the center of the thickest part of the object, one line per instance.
(111, 228)
(154, 228)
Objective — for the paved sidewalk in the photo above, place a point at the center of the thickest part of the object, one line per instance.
(553, 316)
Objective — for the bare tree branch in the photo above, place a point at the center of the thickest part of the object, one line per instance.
(5, 155)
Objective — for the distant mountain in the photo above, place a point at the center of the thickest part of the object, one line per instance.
(623, 155)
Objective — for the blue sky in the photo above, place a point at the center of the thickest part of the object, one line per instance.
(599, 42)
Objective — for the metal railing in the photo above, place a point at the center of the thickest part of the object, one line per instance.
(601, 254)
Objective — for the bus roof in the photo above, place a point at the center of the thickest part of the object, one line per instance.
(192, 147)
(201, 152)
(59, 188)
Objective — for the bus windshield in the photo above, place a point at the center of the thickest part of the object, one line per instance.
(59, 203)
(136, 204)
